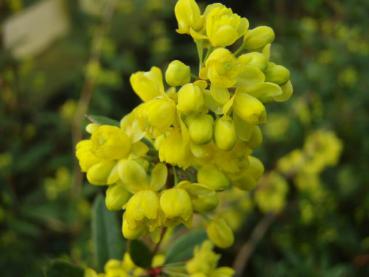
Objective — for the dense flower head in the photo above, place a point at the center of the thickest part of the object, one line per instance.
(192, 138)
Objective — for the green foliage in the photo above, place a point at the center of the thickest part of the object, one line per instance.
(60, 268)
(140, 253)
(182, 248)
(106, 235)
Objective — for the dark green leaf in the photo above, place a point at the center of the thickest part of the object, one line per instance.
(106, 234)
(102, 120)
(140, 253)
(62, 269)
(182, 248)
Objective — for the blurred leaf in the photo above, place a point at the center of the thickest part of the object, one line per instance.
(140, 254)
(182, 249)
(98, 119)
(62, 269)
(107, 238)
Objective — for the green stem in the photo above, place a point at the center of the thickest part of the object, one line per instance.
(239, 50)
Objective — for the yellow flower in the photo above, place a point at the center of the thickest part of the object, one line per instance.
(200, 128)
(223, 27)
(220, 233)
(277, 74)
(204, 260)
(221, 68)
(188, 16)
(177, 73)
(225, 133)
(176, 204)
(249, 108)
(287, 91)
(85, 155)
(98, 174)
(258, 37)
(132, 174)
(110, 142)
(203, 199)
(212, 178)
(116, 197)
(254, 59)
(148, 85)
(160, 113)
(190, 99)
(143, 206)
(174, 149)
(251, 175)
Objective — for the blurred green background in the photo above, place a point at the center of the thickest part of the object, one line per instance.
(324, 43)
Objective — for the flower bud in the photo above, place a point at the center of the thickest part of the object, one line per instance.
(287, 91)
(225, 133)
(188, 16)
(176, 203)
(249, 108)
(222, 68)
(131, 231)
(190, 99)
(99, 173)
(160, 113)
(177, 74)
(223, 27)
(174, 149)
(110, 142)
(220, 233)
(116, 197)
(254, 59)
(277, 74)
(264, 92)
(212, 178)
(148, 85)
(132, 174)
(142, 205)
(258, 37)
(203, 199)
(251, 175)
(85, 156)
(200, 128)
(256, 138)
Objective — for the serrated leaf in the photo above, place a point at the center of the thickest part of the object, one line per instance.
(102, 120)
(140, 254)
(106, 235)
(62, 268)
(182, 248)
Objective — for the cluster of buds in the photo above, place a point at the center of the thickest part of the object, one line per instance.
(192, 138)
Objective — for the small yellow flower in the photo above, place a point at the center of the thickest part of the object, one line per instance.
(221, 68)
(190, 99)
(225, 133)
(258, 37)
(116, 197)
(98, 174)
(188, 16)
(249, 108)
(148, 85)
(251, 175)
(176, 204)
(110, 142)
(277, 74)
(212, 178)
(177, 74)
(223, 27)
(142, 206)
(220, 233)
(200, 128)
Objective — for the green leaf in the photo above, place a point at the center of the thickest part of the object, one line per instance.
(102, 120)
(140, 254)
(62, 268)
(182, 248)
(106, 235)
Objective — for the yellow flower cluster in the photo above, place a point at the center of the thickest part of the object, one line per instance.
(204, 263)
(192, 138)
